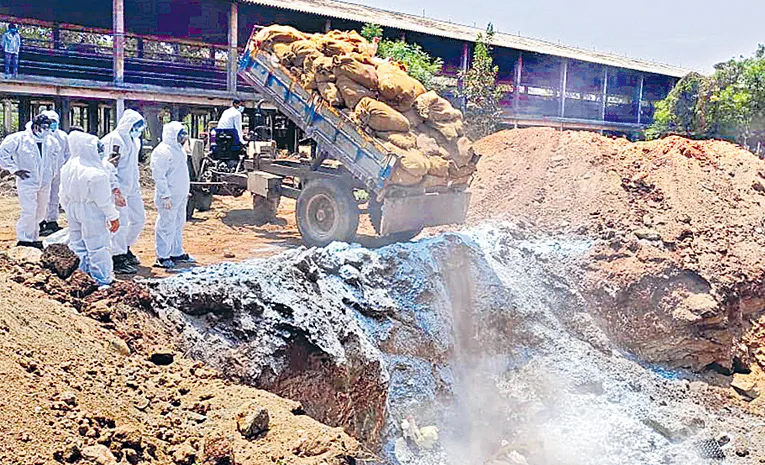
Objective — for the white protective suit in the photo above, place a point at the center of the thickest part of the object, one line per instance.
(19, 151)
(126, 178)
(62, 139)
(86, 196)
(170, 172)
(232, 119)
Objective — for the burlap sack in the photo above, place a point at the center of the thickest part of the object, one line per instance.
(397, 87)
(451, 130)
(429, 131)
(278, 34)
(308, 81)
(435, 108)
(356, 71)
(438, 167)
(400, 177)
(414, 163)
(456, 172)
(414, 118)
(323, 69)
(434, 181)
(352, 91)
(380, 117)
(302, 49)
(329, 92)
(332, 47)
(402, 140)
(284, 53)
(427, 145)
(462, 152)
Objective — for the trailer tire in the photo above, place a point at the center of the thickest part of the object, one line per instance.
(326, 212)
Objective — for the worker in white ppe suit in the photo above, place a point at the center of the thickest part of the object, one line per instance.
(170, 172)
(126, 140)
(86, 196)
(232, 119)
(49, 225)
(31, 155)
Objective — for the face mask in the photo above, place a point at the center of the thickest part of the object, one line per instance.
(101, 150)
(240, 109)
(53, 127)
(39, 136)
(183, 136)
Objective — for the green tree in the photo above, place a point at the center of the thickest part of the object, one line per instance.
(480, 90)
(729, 104)
(420, 65)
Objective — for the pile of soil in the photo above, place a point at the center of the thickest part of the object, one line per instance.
(677, 223)
(76, 387)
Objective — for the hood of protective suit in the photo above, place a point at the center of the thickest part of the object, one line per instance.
(51, 115)
(170, 134)
(128, 120)
(84, 146)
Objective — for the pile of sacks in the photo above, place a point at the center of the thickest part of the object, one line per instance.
(378, 94)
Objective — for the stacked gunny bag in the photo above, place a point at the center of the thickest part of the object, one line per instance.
(421, 126)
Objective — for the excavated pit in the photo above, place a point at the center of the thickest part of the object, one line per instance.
(485, 334)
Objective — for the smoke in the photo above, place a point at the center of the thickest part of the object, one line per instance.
(537, 382)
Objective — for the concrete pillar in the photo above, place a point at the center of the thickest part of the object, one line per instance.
(118, 42)
(63, 108)
(120, 108)
(151, 115)
(640, 99)
(563, 84)
(7, 116)
(517, 86)
(327, 25)
(92, 118)
(604, 97)
(233, 37)
(25, 112)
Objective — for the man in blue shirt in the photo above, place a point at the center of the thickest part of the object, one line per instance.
(11, 47)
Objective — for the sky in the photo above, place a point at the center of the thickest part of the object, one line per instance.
(691, 34)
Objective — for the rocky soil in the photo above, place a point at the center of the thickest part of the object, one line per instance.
(483, 334)
(98, 379)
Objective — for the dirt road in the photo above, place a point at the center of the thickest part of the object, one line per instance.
(225, 233)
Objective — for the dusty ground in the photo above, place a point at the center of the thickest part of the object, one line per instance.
(225, 233)
(70, 382)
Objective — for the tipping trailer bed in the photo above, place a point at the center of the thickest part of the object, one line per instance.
(394, 210)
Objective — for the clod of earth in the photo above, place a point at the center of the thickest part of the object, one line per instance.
(252, 420)
(60, 259)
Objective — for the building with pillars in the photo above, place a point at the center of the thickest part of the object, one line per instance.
(179, 57)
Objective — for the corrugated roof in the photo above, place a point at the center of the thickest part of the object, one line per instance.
(365, 14)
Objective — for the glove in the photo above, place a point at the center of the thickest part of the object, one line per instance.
(23, 174)
(119, 199)
(167, 204)
(114, 225)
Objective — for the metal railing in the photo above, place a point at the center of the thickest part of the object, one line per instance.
(69, 51)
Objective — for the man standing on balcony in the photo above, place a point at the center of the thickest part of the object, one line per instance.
(11, 48)
(232, 119)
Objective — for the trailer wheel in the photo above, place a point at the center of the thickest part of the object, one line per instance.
(264, 208)
(326, 211)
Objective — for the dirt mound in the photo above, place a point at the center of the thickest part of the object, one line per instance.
(74, 388)
(678, 224)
